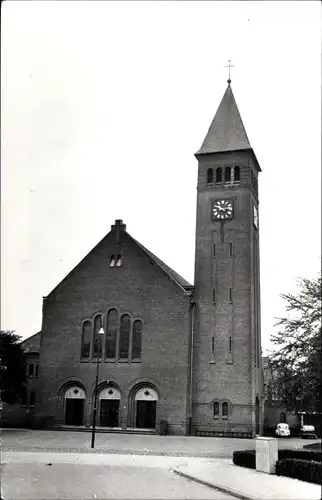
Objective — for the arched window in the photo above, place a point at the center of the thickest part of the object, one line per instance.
(124, 336)
(36, 371)
(32, 399)
(111, 334)
(219, 174)
(225, 409)
(24, 397)
(136, 339)
(210, 176)
(86, 339)
(30, 370)
(216, 409)
(119, 261)
(112, 260)
(97, 339)
(227, 174)
(236, 173)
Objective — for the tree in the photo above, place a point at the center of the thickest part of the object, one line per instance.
(296, 357)
(12, 367)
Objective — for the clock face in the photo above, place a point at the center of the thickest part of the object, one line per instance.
(255, 217)
(222, 209)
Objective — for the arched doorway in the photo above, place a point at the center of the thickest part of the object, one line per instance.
(109, 407)
(257, 414)
(145, 407)
(74, 405)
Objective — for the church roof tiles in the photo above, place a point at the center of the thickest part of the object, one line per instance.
(227, 131)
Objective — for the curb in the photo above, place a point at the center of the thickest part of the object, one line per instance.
(223, 489)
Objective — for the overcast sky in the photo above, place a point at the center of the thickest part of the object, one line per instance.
(103, 105)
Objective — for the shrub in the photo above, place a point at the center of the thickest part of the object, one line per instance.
(301, 454)
(247, 458)
(305, 470)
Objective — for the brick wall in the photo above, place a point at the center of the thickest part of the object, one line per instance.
(138, 288)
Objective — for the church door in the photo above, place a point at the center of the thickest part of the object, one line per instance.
(109, 412)
(74, 411)
(145, 414)
(257, 414)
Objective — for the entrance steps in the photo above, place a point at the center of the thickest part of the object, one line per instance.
(113, 430)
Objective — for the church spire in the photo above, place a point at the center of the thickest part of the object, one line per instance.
(227, 131)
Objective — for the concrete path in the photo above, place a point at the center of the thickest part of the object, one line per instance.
(44, 476)
(248, 484)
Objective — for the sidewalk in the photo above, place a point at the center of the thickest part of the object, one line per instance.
(247, 484)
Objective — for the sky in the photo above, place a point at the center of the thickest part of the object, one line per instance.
(103, 105)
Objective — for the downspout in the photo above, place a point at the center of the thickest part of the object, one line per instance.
(192, 314)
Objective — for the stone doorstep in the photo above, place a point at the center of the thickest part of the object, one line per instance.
(248, 484)
(113, 430)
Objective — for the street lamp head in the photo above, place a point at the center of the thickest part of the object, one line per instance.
(101, 331)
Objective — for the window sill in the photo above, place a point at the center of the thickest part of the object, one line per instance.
(224, 418)
(136, 360)
(215, 418)
(109, 360)
(123, 360)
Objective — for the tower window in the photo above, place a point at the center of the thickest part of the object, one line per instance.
(214, 295)
(36, 371)
(216, 409)
(119, 261)
(32, 399)
(210, 176)
(236, 173)
(225, 409)
(219, 174)
(227, 174)
(230, 249)
(31, 370)
(230, 295)
(112, 261)
(229, 344)
(214, 250)
(213, 345)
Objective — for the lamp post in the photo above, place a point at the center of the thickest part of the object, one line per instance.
(99, 340)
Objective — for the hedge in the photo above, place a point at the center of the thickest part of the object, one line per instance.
(247, 458)
(305, 470)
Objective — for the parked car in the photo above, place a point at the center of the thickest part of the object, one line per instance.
(308, 431)
(283, 430)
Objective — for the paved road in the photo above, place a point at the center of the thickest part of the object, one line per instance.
(28, 476)
(20, 439)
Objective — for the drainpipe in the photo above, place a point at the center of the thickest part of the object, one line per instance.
(192, 312)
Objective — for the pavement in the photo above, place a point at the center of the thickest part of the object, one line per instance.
(206, 462)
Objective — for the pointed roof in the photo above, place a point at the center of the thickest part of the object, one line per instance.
(227, 131)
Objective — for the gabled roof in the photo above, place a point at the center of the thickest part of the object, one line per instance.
(179, 280)
(32, 344)
(119, 228)
(227, 131)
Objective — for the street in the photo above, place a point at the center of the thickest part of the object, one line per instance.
(28, 476)
(36, 440)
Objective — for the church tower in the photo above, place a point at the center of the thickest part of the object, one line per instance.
(227, 374)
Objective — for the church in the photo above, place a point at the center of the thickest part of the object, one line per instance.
(125, 332)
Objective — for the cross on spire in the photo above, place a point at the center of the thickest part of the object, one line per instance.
(229, 66)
